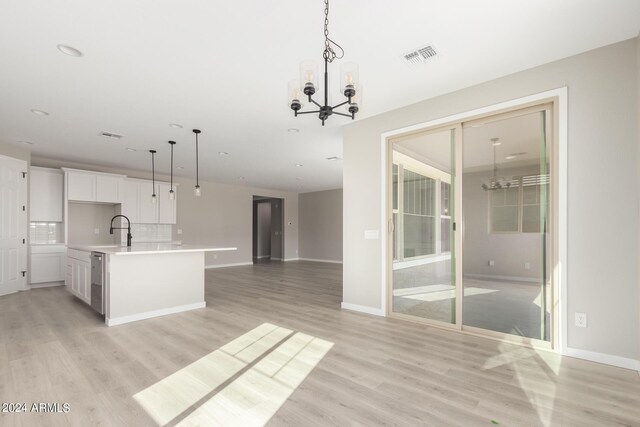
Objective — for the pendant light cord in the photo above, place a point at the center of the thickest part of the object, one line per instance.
(329, 54)
(197, 161)
(153, 172)
(171, 167)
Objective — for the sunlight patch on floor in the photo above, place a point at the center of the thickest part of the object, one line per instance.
(432, 293)
(253, 397)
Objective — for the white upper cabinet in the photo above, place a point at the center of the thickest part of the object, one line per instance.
(81, 186)
(45, 195)
(137, 204)
(87, 186)
(166, 207)
(109, 188)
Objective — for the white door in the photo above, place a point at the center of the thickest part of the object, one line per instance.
(13, 225)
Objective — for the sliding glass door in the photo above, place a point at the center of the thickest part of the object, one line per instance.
(424, 282)
(505, 207)
(486, 269)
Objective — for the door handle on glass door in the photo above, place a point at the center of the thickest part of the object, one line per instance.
(391, 226)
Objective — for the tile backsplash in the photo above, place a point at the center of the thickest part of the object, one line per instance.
(150, 233)
(46, 232)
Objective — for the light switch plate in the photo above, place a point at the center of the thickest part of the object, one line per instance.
(96, 231)
(179, 230)
(371, 234)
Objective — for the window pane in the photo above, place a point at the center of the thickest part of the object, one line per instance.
(419, 235)
(505, 218)
(511, 196)
(395, 236)
(445, 195)
(445, 234)
(531, 219)
(529, 195)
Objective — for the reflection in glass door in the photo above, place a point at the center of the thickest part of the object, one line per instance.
(424, 283)
(505, 208)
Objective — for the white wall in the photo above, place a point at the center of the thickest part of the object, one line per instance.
(321, 225)
(222, 216)
(602, 254)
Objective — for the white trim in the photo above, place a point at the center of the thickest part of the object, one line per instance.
(292, 259)
(154, 313)
(263, 256)
(227, 265)
(362, 309)
(503, 278)
(607, 359)
(562, 95)
(46, 284)
(320, 260)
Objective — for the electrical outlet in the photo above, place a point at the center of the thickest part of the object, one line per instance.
(96, 231)
(527, 266)
(581, 320)
(179, 230)
(492, 263)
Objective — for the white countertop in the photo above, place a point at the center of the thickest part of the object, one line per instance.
(148, 248)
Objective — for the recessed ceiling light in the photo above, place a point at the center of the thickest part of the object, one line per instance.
(131, 149)
(180, 167)
(175, 125)
(223, 153)
(26, 142)
(298, 165)
(241, 177)
(293, 130)
(39, 112)
(333, 158)
(68, 50)
(495, 142)
(511, 157)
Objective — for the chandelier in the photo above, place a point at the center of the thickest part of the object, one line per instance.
(302, 91)
(496, 183)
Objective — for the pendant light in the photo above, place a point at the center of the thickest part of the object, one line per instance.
(301, 91)
(153, 176)
(172, 194)
(196, 190)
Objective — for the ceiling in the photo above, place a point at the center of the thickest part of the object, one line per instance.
(223, 67)
(519, 140)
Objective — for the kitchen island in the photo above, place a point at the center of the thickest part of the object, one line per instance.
(149, 280)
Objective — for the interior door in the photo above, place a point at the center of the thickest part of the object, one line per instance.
(13, 225)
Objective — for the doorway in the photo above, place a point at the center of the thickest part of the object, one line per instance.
(472, 211)
(13, 225)
(268, 227)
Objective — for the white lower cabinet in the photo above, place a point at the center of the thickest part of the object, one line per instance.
(78, 277)
(47, 264)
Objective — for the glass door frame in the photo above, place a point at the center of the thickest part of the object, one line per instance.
(549, 104)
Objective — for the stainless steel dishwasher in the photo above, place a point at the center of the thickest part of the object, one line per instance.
(98, 260)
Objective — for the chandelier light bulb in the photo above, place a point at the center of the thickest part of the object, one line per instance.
(154, 198)
(197, 191)
(172, 195)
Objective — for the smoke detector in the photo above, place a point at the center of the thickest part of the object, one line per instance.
(111, 135)
(420, 55)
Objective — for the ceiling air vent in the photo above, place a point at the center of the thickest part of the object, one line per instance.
(111, 135)
(420, 55)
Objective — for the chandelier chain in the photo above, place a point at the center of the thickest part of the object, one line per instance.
(329, 53)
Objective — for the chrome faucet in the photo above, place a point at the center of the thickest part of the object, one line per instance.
(122, 228)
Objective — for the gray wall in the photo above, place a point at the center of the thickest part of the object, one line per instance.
(276, 229)
(222, 216)
(321, 225)
(509, 251)
(84, 218)
(602, 181)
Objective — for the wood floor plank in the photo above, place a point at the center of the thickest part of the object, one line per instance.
(379, 371)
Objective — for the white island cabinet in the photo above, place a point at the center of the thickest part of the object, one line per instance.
(150, 280)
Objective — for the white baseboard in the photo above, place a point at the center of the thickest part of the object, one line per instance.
(362, 309)
(227, 265)
(320, 260)
(263, 256)
(155, 313)
(46, 284)
(291, 259)
(504, 278)
(607, 359)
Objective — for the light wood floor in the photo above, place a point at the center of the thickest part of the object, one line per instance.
(53, 348)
